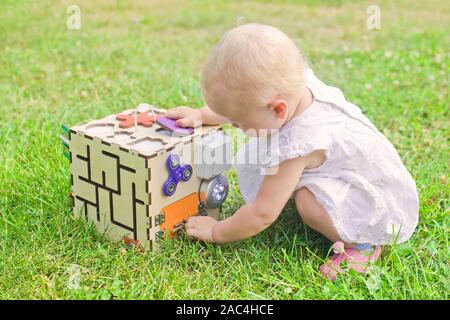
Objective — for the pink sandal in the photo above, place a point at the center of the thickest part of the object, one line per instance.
(345, 259)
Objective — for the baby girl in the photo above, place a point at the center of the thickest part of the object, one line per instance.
(346, 178)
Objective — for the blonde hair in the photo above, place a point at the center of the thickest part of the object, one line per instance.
(252, 60)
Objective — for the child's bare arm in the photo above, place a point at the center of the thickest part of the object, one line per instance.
(188, 117)
(272, 196)
(254, 217)
(209, 117)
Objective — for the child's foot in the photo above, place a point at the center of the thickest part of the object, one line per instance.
(344, 259)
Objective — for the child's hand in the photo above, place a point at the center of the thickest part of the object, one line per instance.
(200, 228)
(186, 116)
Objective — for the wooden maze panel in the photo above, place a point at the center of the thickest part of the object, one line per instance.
(108, 192)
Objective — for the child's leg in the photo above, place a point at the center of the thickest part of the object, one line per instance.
(351, 256)
(314, 215)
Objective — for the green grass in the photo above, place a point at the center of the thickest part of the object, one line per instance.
(128, 52)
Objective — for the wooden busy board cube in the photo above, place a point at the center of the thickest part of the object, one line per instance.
(136, 181)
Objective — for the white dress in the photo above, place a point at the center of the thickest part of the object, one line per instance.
(363, 184)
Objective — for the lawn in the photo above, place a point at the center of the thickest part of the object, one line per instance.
(128, 52)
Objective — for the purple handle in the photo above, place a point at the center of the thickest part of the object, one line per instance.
(170, 124)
